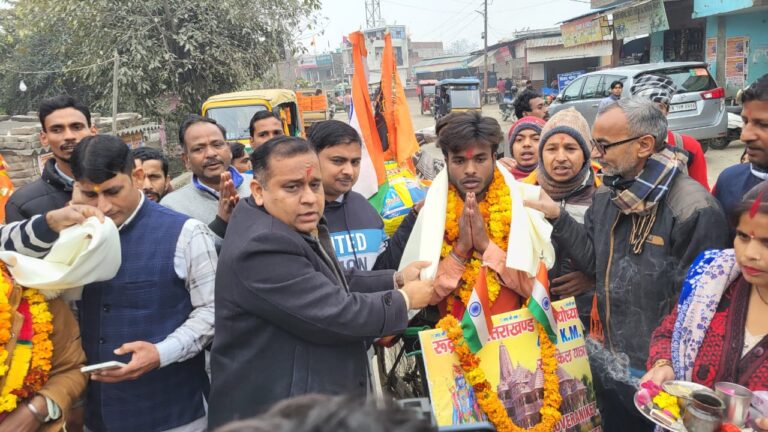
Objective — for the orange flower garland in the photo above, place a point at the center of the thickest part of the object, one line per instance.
(30, 363)
(488, 399)
(496, 212)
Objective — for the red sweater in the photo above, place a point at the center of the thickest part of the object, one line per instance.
(697, 169)
(724, 336)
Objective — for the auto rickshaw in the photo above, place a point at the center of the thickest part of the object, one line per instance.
(456, 95)
(426, 95)
(234, 111)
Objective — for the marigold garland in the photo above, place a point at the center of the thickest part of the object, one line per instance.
(488, 399)
(30, 363)
(496, 212)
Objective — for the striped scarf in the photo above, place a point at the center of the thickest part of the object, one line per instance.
(642, 194)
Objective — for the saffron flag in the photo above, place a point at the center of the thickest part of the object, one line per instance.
(400, 134)
(6, 187)
(540, 305)
(373, 178)
(476, 321)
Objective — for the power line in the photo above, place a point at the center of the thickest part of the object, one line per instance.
(460, 15)
(60, 70)
(421, 8)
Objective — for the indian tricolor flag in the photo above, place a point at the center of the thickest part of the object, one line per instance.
(476, 321)
(540, 305)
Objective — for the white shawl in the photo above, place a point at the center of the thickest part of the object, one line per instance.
(529, 231)
(83, 254)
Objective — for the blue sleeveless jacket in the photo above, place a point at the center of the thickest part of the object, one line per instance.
(146, 301)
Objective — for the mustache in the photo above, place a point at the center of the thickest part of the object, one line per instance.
(210, 162)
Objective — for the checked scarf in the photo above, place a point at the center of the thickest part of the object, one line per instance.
(641, 194)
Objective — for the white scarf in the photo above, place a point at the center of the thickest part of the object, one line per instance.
(529, 231)
(83, 254)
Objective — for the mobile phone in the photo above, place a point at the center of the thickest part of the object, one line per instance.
(102, 366)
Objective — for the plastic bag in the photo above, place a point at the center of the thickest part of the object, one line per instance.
(403, 192)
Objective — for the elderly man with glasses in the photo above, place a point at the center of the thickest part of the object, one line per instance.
(640, 235)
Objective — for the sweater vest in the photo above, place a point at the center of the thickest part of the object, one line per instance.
(145, 301)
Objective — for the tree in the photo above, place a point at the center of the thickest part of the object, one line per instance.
(461, 46)
(170, 50)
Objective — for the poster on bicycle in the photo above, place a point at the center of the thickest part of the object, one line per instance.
(511, 362)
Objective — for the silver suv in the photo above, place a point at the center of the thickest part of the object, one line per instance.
(698, 108)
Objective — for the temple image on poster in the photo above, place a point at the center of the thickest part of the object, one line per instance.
(521, 391)
(465, 407)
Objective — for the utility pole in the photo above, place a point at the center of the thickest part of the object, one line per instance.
(485, 51)
(373, 13)
(115, 73)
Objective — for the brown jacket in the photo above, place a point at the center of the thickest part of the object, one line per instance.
(65, 383)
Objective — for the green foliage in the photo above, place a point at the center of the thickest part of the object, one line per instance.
(173, 53)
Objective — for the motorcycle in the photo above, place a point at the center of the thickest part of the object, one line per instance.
(507, 107)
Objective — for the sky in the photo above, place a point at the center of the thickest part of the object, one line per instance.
(444, 20)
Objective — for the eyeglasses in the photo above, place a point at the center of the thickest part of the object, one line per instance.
(601, 148)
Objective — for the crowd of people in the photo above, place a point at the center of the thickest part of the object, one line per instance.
(268, 278)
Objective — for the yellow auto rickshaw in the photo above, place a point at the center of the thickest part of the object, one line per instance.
(234, 111)
(457, 95)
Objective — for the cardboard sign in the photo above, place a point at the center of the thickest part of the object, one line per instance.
(512, 365)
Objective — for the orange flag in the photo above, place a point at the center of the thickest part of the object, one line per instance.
(397, 115)
(6, 187)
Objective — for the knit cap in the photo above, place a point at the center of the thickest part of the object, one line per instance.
(528, 122)
(659, 89)
(571, 122)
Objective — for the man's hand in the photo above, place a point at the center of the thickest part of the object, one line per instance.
(413, 271)
(145, 358)
(571, 284)
(480, 238)
(21, 419)
(463, 246)
(509, 163)
(228, 197)
(544, 204)
(74, 214)
(419, 293)
(659, 375)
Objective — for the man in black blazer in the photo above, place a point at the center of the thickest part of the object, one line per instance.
(289, 319)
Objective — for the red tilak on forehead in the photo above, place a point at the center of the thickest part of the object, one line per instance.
(470, 151)
(308, 172)
(756, 205)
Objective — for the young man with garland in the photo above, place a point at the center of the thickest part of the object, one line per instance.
(477, 221)
(39, 327)
(156, 315)
(481, 205)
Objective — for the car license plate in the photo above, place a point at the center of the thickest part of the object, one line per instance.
(688, 106)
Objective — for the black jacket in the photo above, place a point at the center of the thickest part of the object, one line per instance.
(289, 320)
(354, 217)
(636, 291)
(49, 192)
